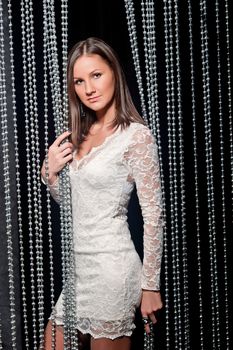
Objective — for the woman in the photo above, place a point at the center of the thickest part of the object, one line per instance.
(110, 151)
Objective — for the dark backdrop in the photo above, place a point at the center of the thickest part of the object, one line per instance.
(107, 20)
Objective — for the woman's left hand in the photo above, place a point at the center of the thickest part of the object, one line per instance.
(151, 303)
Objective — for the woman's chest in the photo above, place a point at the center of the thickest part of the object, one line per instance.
(93, 141)
(100, 168)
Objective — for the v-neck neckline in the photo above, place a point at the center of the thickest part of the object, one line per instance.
(95, 148)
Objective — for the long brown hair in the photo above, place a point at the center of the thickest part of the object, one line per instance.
(80, 117)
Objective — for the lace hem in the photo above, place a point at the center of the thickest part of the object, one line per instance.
(102, 329)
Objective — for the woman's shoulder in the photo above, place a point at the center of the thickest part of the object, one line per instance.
(136, 126)
(140, 130)
(137, 134)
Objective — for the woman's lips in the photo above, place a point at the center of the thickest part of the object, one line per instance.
(93, 99)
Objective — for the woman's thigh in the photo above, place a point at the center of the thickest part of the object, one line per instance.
(122, 343)
(83, 339)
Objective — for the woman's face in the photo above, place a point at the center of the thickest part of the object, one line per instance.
(94, 83)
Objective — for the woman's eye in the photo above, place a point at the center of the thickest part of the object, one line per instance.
(97, 75)
(77, 82)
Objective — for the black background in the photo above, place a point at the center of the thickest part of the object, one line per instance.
(107, 20)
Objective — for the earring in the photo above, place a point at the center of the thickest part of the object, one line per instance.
(82, 112)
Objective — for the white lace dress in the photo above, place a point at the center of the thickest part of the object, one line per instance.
(109, 272)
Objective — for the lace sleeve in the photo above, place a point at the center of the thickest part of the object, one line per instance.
(54, 189)
(142, 159)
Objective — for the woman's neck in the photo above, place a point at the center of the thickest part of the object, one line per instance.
(105, 118)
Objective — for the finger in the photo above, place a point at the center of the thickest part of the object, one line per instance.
(66, 152)
(66, 145)
(153, 318)
(146, 322)
(64, 161)
(61, 137)
(68, 158)
(61, 160)
(147, 328)
(57, 150)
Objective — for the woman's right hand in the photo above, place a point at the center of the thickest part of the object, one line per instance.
(59, 154)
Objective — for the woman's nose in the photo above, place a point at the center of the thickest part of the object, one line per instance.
(89, 88)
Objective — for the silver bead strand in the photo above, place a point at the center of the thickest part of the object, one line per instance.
(35, 171)
(54, 68)
(72, 302)
(1, 346)
(64, 31)
(152, 90)
(148, 23)
(129, 7)
(58, 121)
(70, 334)
(68, 260)
(182, 186)
(168, 96)
(18, 187)
(175, 165)
(48, 197)
(229, 111)
(154, 105)
(229, 94)
(147, 10)
(148, 338)
(210, 178)
(149, 40)
(6, 176)
(148, 31)
(145, 26)
(35, 155)
(173, 180)
(196, 177)
(25, 29)
(222, 166)
(174, 177)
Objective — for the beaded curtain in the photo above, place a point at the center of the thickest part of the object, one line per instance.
(178, 63)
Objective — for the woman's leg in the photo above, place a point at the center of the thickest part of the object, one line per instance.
(59, 338)
(122, 343)
(83, 339)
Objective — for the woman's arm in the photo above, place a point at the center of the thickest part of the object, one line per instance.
(59, 154)
(142, 159)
